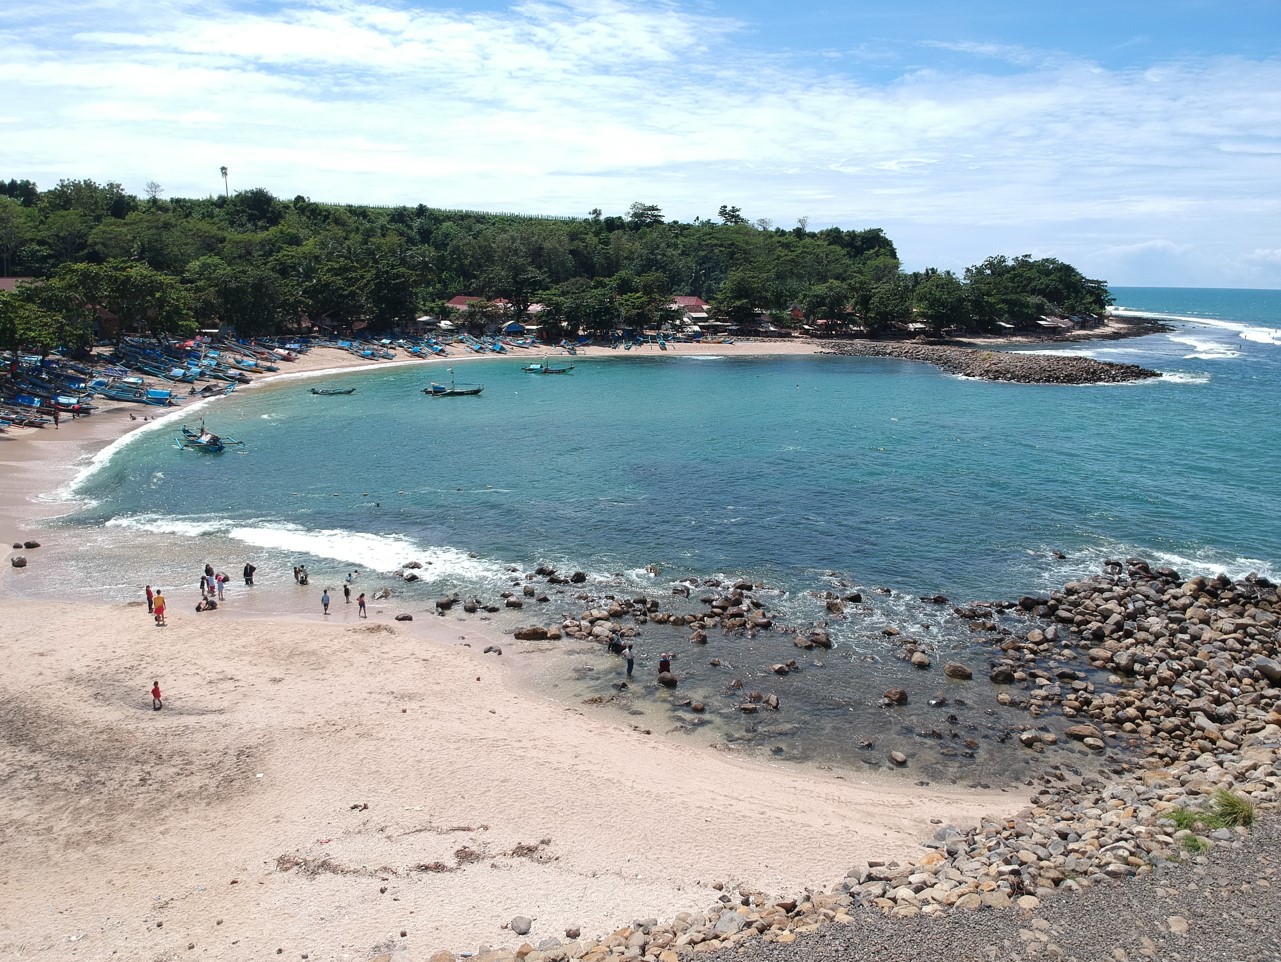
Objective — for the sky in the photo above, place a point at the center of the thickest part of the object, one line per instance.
(1139, 141)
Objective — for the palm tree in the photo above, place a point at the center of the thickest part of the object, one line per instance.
(225, 189)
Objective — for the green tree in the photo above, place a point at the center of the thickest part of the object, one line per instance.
(640, 216)
(827, 301)
(95, 201)
(25, 326)
(890, 304)
(137, 295)
(15, 231)
(731, 215)
(942, 302)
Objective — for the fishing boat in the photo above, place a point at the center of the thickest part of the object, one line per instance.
(214, 390)
(332, 391)
(547, 368)
(453, 389)
(204, 440)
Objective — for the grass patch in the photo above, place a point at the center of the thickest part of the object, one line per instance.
(1195, 844)
(1193, 819)
(1231, 809)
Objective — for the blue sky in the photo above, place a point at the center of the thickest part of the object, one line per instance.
(1139, 141)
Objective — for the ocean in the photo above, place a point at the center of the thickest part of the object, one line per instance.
(812, 476)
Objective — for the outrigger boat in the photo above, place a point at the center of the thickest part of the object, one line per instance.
(452, 389)
(332, 391)
(204, 440)
(546, 368)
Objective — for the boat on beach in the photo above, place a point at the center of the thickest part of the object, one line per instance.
(452, 389)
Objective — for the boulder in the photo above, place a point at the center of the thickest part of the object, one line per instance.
(19, 561)
(920, 660)
(520, 925)
(667, 679)
(954, 669)
(532, 633)
(444, 604)
(578, 577)
(1082, 732)
(895, 696)
(1002, 675)
(1268, 668)
(30, 544)
(405, 617)
(898, 758)
(514, 602)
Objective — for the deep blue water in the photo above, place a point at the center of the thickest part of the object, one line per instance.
(805, 473)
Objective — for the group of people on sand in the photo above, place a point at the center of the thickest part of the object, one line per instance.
(213, 590)
(156, 605)
(346, 595)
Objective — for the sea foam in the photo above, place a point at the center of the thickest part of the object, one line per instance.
(365, 550)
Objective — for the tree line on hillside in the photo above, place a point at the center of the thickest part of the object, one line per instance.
(259, 265)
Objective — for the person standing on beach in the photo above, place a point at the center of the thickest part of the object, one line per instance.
(156, 703)
(150, 599)
(360, 606)
(158, 604)
(324, 600)
(628, 656)
(249, 574)
(346, 591)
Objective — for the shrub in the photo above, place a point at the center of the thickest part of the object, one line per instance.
(1232, 809)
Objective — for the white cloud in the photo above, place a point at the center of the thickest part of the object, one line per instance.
(563, 106)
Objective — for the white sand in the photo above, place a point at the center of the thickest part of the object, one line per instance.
(226, 820)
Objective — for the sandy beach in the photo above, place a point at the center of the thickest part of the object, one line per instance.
(321, 786)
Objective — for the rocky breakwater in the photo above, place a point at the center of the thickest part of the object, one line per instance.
(1187, 678)
(1000, 365)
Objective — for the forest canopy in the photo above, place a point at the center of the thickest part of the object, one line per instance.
(257, 264)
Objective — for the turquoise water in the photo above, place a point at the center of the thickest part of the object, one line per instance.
(884, 472)
(808, 474)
